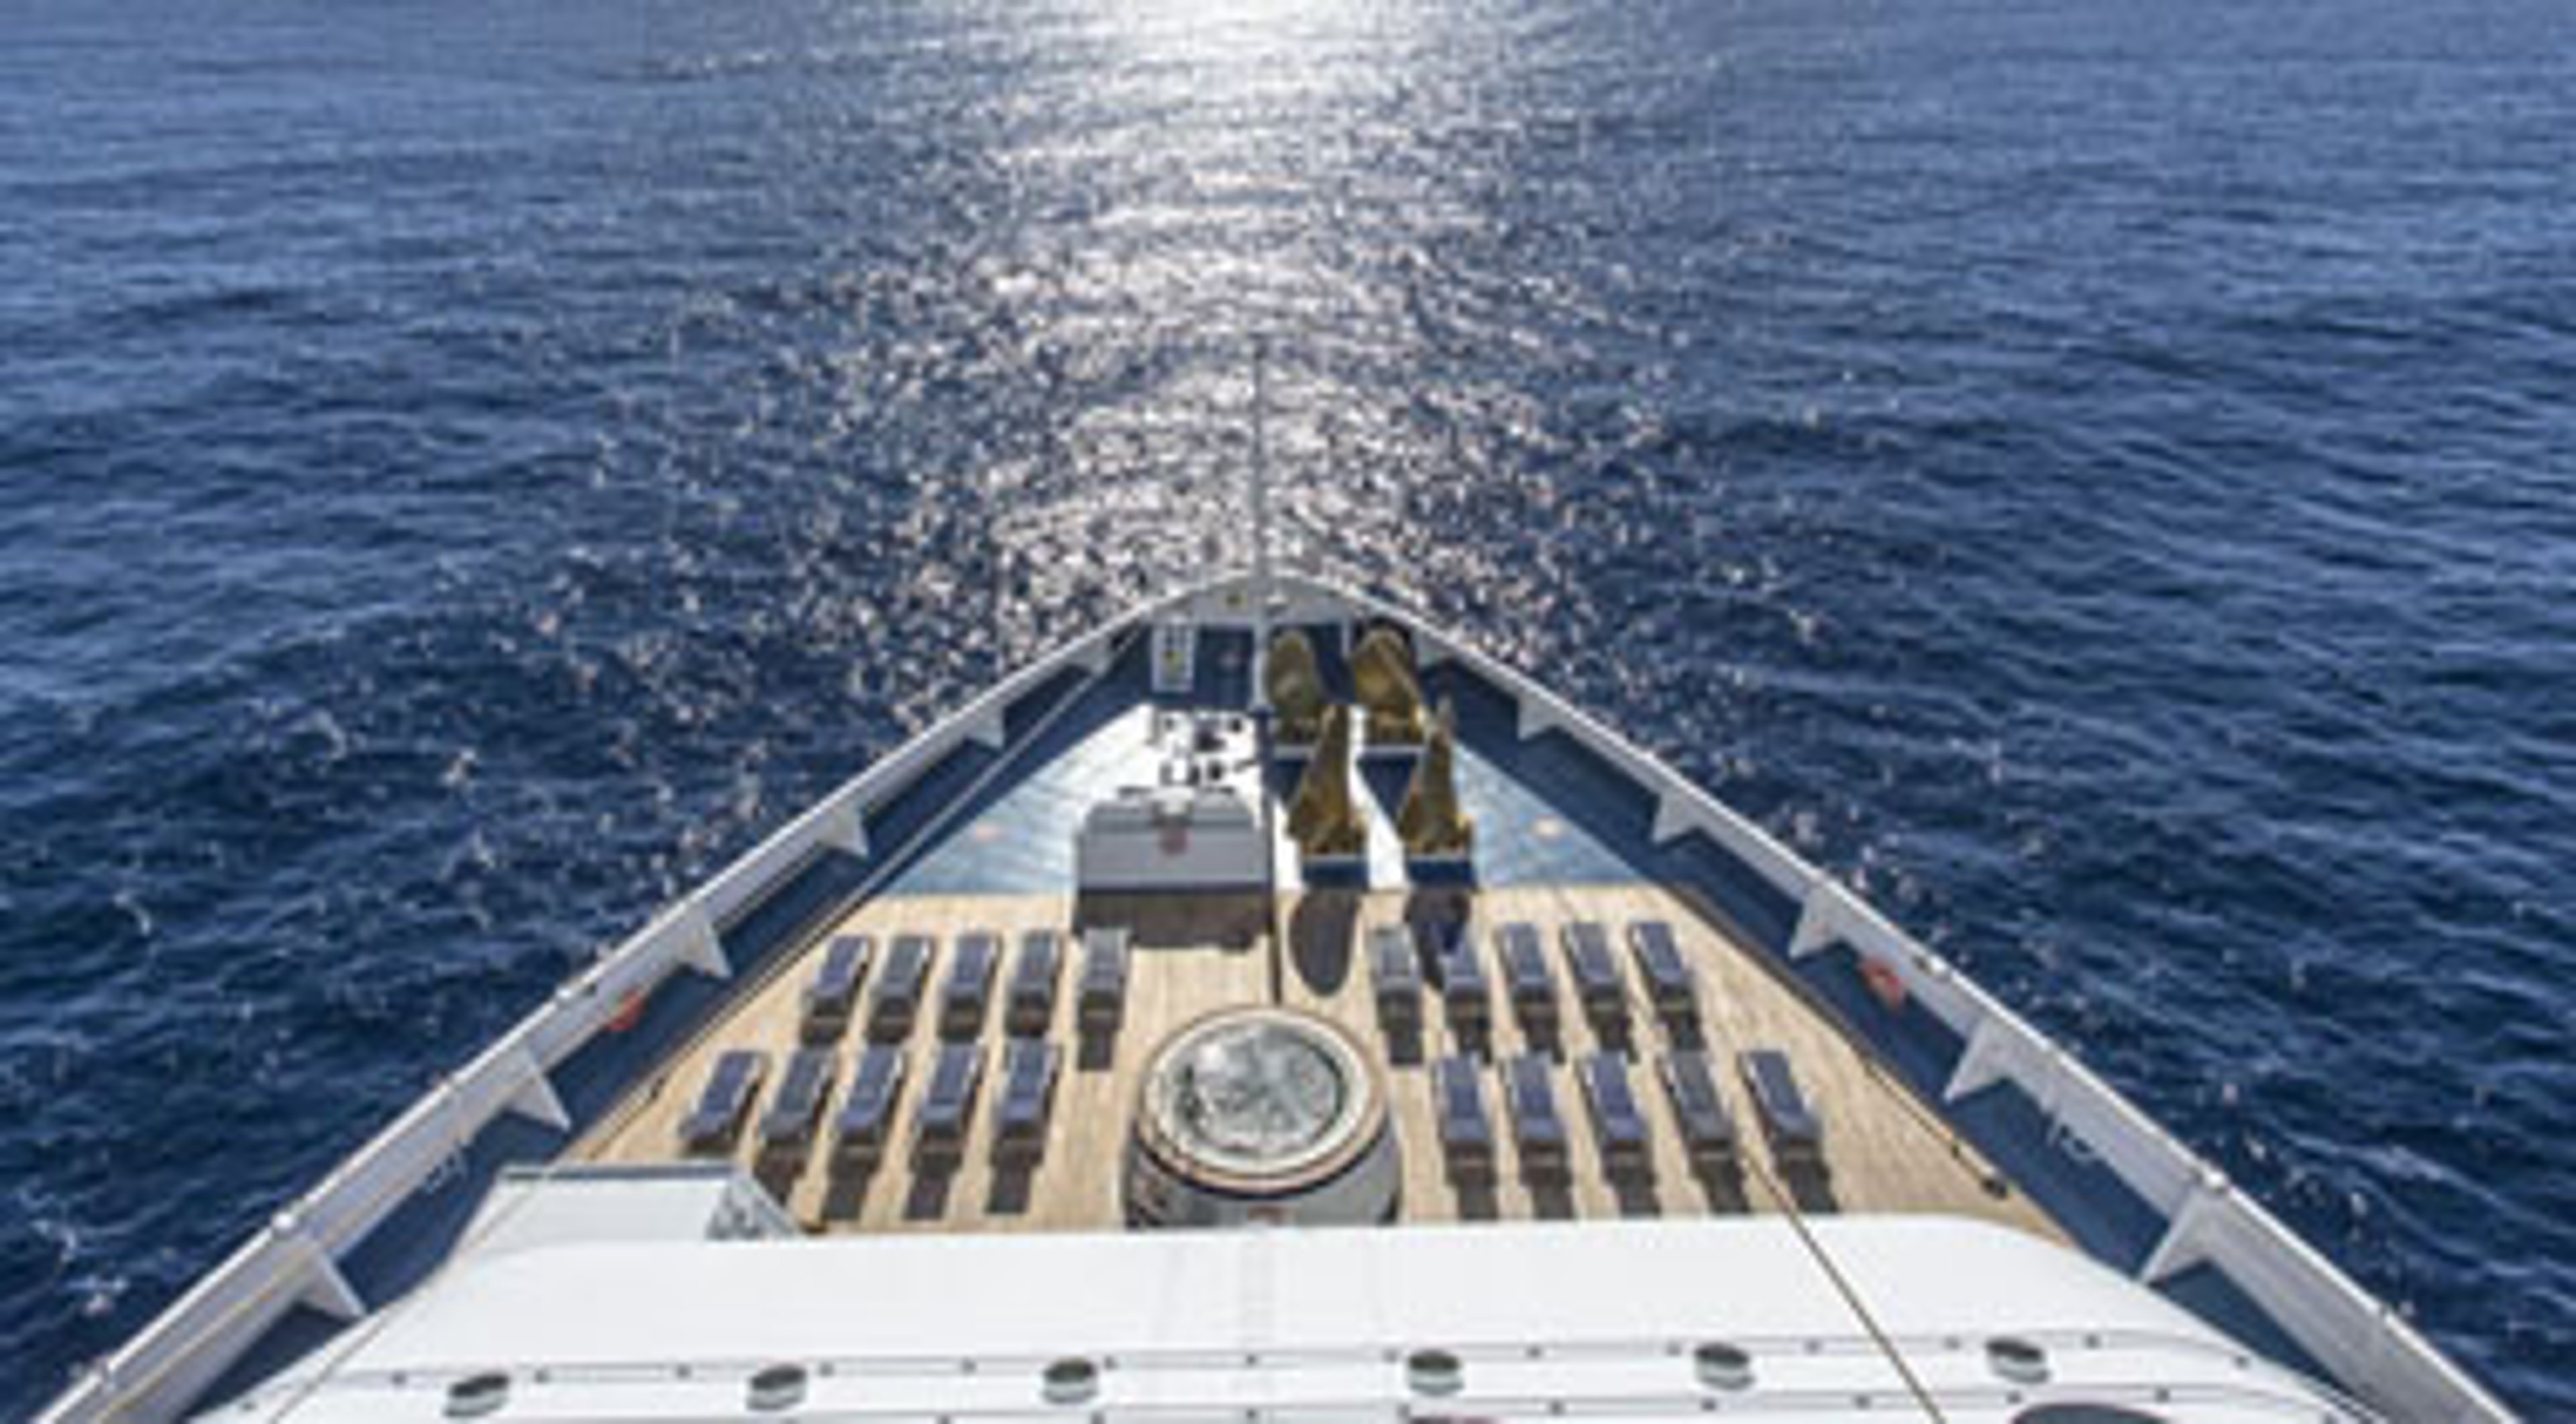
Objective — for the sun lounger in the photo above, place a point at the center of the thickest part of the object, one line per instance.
(788, 1126)
(1618, 1124)
(1527, 978)
(1397, 974)
(875, 1088)
(896, 1000)
(711, 1125)
(970, 984)
(1597, 980)
(1537, 1128)
(1463, 986)
(1034, 975)
(1794, 1131)
(1029, 1069)
(1466, 1131)
(1102, 1000)
(948, 1103)
(1670, 984)
(834, 990)
(1707, 1126)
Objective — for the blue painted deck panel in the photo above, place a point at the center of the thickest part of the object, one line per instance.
(1016, 836)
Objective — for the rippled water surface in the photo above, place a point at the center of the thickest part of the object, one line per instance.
(2102, 475)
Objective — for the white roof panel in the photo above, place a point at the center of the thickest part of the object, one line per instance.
(1545, 1317)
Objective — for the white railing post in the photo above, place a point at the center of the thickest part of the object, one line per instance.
(535, 1097)
(1676, 816)
(1536, 719)
(1822, 918)
(2187, 1239)
(845, 824)
(451, 1108)
(700, 948)
(321, 1284)
(1983, 1062)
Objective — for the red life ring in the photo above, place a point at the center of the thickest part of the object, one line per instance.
(1885, 985)
(628, 1013)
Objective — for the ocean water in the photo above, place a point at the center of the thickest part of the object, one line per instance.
(2103, 476)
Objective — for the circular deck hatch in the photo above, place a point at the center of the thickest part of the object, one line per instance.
(1260, 1114)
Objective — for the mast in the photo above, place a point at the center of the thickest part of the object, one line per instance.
(1261, 710)
(1260, 514)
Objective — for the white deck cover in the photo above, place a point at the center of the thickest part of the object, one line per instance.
(1550, 1320)
(686, 1202)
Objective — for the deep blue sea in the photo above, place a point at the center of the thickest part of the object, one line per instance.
(2103, 475)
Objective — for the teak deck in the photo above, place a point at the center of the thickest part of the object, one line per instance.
(1883, 1150)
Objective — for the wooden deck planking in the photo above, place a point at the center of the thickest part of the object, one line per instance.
(1885, 1152)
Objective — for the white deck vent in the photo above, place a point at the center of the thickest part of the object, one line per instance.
(1071, 1381)
(1721, 1366)
(775, 1388)
(2016, 1360)
(1436, 1373)
(478, 1395)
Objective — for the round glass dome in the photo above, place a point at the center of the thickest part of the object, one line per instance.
(1258, 1099)
(1252, 1096)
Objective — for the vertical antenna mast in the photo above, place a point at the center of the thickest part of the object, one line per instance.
(1260, 511)
(1261, 664)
